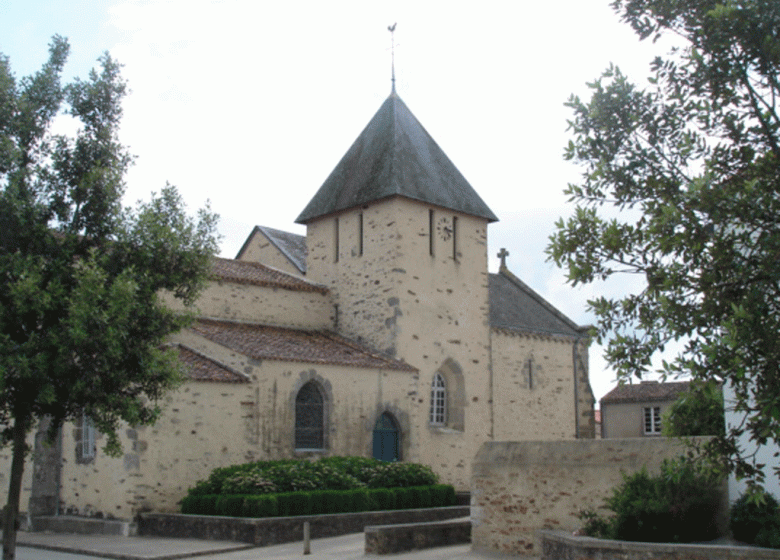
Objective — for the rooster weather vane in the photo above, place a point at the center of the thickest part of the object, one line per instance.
(391, 29)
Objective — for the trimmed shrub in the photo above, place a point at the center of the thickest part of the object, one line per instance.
(421, 497)
(205, 504)
(755, 519)
(230, 505)
(260, 506)
(443, 495)
(294, 503)
(381, 499)
(360, 501)
(404, 498)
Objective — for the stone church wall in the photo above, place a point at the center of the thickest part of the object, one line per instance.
(205, 425)
(259, 249)
(414, 285)
(263, 305)
(536, 405)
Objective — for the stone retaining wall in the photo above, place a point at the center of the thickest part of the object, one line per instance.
(519, 488)
(278, 530)
(557, 545)
(390, 539)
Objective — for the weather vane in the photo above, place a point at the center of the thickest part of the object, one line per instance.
(391, 29)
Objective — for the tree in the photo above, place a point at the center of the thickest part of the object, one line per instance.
(696, 412)
(82, 330)
(681, 188)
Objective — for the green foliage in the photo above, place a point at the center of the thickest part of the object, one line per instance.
(392, 475)
(755, 519)
(680, 189)
(259, 506)
(443, 495)
(328, 485)
(230, 505)
(82, 328)
(696, 412)
(200, 504)
(677, 505)
(294, 503)
(328, 473)
(382, 499)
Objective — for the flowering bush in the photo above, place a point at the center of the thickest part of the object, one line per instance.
(330, 473)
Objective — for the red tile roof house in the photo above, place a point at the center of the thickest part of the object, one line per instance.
(630, 411)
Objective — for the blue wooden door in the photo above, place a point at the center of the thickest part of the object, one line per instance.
(386, 438)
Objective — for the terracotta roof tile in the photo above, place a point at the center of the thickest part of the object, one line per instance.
(257, 274)
(201, 368)
(645, 391)
(275, 343)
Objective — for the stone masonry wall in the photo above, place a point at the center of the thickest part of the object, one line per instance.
(420, 294)
(259, 249)
(205, 425)
(539, 408)
(521, 487)
(261, 304)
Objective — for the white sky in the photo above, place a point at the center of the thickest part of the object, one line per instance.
(251, 104)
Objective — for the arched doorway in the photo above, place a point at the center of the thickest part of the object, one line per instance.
(387, 438)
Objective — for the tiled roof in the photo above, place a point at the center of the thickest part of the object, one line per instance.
(274, 343)
(645, 391)
(201, 368)
(395, 156)
(247, 272)
(515, 306)
(291, 245)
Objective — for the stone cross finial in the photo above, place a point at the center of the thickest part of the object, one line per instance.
(503, 254)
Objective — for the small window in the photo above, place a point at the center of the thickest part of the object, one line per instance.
(85, 441)
(455, 238)
(336, 240)
(309, 418)
(431, 230)
(652, 420)
(360, 234)
(438, 401)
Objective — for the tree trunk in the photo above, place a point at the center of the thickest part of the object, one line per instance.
(14, 488)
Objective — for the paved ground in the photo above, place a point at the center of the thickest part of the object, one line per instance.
(51, 546)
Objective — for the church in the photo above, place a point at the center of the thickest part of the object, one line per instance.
(380, 333)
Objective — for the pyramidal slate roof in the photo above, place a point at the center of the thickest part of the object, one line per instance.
(395, 156)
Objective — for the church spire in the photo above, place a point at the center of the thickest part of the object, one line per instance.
(391, 29)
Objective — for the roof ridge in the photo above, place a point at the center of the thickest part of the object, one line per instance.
(506, 273)
(203, 356)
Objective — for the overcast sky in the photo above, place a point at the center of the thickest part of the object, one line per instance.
(252, 104)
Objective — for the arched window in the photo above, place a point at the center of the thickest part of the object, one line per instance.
(438, 400)
(309, 418)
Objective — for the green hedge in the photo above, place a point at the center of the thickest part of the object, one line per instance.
(327, 473)
(317, 502)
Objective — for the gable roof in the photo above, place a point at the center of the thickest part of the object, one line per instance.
(258, 274)
(201, 368)
(395, 156)
(262, 342)
(291, 245)
(645, 391)
(515, 306)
